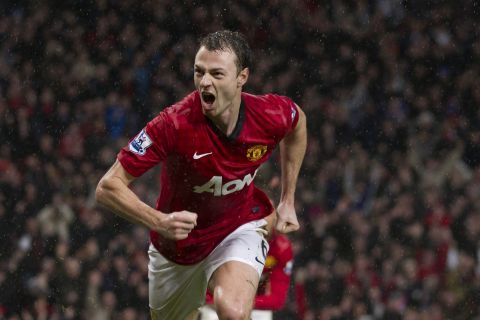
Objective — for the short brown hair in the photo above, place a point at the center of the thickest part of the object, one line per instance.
(229, 40)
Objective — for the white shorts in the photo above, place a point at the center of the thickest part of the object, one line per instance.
(208, 313)
(175, 291)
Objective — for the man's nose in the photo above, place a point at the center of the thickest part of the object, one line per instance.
(206, 80)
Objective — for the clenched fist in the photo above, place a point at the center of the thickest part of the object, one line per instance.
(176, 225)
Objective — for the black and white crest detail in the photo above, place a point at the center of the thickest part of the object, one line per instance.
(140, 143)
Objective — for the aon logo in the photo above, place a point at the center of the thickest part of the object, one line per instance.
(215, 185)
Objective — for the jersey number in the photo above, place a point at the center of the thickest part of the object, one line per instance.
(215, 185)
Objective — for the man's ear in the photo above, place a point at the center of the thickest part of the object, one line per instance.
(242, 77)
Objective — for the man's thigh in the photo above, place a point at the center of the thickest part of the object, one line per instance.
(246, 244)
(175, 291)
(235, 284)
(238, 263)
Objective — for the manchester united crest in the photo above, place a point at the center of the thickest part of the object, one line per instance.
(256, 152)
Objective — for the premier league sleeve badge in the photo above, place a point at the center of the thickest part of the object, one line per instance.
(140, 143)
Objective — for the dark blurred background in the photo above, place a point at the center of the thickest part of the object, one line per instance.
(388, 196)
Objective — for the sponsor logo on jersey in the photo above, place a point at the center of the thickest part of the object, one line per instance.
(256, 152)
(216, 186)
(198, 156)
(140, 143)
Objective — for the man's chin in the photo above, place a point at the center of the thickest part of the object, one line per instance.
(208, 109)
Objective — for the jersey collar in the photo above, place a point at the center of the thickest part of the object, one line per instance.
(238, 126)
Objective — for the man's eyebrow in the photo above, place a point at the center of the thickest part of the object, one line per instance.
(211, 70)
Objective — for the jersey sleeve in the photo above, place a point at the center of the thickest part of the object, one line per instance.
(293, 110)
(149, 147)
(288, 112)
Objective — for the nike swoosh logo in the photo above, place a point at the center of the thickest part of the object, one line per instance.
(262, 263)
(198, 156)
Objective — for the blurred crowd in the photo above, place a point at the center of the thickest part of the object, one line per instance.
(388, 194)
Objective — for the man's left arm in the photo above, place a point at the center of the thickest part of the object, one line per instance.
(292, 151)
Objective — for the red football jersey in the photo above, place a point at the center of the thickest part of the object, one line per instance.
(206, 172)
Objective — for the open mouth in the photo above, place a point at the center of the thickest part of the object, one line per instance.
(208, 97)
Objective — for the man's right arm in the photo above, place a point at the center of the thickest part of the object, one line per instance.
(113, 192)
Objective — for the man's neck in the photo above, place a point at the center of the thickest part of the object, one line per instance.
(227, 121)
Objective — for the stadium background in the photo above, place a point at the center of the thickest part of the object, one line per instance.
(388, 194)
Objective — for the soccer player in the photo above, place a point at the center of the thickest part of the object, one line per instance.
(274, 282)
(209, 223)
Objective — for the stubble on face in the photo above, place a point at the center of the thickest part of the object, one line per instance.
(216, 79)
